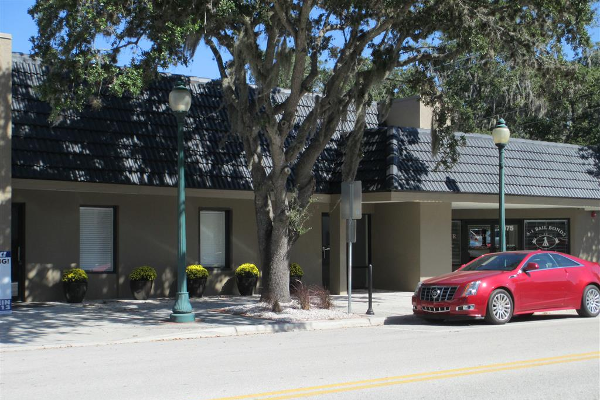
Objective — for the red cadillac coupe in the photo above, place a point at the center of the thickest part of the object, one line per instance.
(499, 286)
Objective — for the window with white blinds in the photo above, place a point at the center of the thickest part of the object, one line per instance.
(213, 238)
(96, 239)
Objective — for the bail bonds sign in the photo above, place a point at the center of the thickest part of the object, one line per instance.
(547, 235)
(5, 284)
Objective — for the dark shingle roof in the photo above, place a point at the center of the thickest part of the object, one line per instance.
(532, 168)
(133, 141)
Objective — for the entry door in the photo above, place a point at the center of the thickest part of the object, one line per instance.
(325, 249)
(361, 253)
(511, 235)
(480, 240)
(18, 251)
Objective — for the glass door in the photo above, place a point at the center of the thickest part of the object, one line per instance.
(361, 252)
(479, 240)
(325, 250)
(18, 251)
(512, 237)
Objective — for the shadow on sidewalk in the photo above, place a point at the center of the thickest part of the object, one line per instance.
(31, 321)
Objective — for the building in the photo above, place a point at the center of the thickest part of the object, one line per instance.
(98, 191)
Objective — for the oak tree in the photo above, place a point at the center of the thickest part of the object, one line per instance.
(255, 42)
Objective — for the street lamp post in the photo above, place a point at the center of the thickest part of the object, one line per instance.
(180, 101)
(501, 134)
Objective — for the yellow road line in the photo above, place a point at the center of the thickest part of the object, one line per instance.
(427, 378)
(424, 376)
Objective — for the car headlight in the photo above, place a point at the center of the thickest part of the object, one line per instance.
(418, 287)
(471, 288)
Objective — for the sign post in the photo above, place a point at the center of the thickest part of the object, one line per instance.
(351, 210)
(5, 284)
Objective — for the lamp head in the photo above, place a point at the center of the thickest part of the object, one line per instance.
(180, 99)
(501, 133)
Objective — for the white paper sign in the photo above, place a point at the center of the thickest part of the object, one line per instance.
(5, 284)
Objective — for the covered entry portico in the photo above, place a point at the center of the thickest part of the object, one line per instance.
(415, 235)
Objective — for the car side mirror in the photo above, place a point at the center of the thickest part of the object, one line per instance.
(531, 267)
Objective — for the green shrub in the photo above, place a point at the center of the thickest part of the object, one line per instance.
(144, 273)
(246, 271)
(296, 270)
(74, 275)
(196, 272)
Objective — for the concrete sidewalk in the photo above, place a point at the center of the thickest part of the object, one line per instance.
(92, 323)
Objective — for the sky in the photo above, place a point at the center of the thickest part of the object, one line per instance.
(15, 21)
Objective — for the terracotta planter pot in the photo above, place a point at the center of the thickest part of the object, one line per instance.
(295, 283)
(196, 287)
(141, 289)
(246, 285)
(75, 291)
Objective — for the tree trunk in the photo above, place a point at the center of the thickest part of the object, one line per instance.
(273, 247)
(278, 285)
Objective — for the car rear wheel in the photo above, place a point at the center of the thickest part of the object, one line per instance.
(500, 307)
(590, 302)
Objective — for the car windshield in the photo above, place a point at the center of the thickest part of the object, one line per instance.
(495, 262)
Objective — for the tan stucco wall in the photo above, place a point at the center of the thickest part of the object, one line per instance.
(307, 250)
(395, 246)
(411, 241)
(435, 240)
(5, 139)
(405, 112)
(585, 230)
(425, 115)
(146, 235)
(409, 112)
(338, 253)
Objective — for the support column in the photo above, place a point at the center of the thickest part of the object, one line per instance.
(435, 239)
(410, 242)
(5, 139)
(337, 273)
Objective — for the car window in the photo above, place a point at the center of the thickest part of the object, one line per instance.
(543, 260)
(495, 262)
(563, 261)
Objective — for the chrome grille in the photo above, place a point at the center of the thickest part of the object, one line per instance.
(437, 293)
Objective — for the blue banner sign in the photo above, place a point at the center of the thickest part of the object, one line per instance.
(5, 284)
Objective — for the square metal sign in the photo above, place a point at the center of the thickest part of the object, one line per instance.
(351, 202)
(5, 284)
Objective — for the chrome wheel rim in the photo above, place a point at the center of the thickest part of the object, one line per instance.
(501, 306)
(592, 300)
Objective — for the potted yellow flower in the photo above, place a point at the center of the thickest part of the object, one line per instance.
(140, 282)
(246, 276)
(296, 274)
(75, 282)
(196, 280)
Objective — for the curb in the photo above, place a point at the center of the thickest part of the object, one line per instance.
(277, 327)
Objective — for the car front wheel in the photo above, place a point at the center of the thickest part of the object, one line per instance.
(590, 302)
(500, 307)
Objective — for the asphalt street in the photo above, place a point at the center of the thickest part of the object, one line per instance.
(542, 357)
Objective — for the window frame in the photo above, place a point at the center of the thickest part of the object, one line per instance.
(555, 256)
(228, 232)
(541, 268)
(115, 240)
(568, 233)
